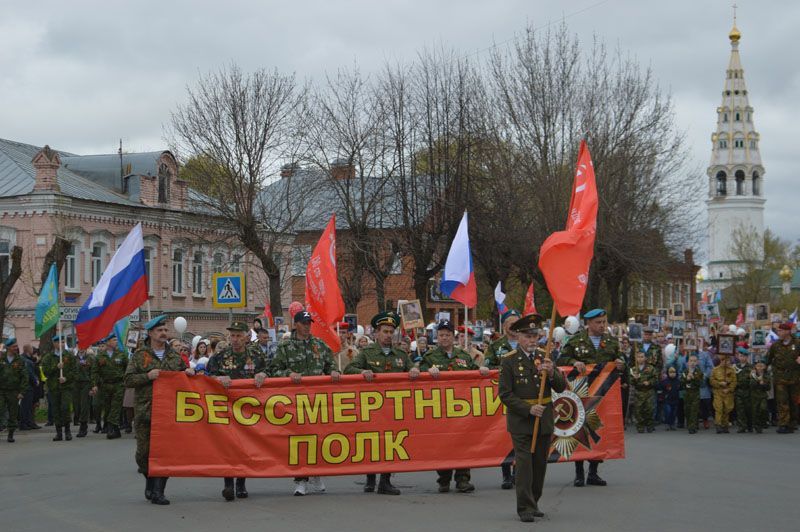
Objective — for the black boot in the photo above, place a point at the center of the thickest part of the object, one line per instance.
(593, 479)
(97, 428)
(369, 487)
(10, 438)
(227, 492)
(579, 475)
(83, 431)
(385, 485)
(148, 487)
(67, 433)
(508, 482)
(241, 491)
(113, 432)
(159, 483)
(59, 436)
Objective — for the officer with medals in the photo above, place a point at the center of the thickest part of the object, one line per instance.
(381, 357)
(447, 357)
(593, 345)
(303, 355)
(784, 359)
(237, 361)
(145, 366)
(520, 379)
(494, 354)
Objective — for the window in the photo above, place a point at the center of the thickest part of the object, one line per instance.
(236, 262)
(397, 265)
(197, 274)
(300, 258)
(756, 184)
(725, 117)
(217, 262)
(148, 268)
(738, 117)
(723, 144)
(163, 183)
(738, 143)
(749, 117)
(739, 183)
(177, 271)
(753, 144)
(5, 260)
(97, 263)
(71, 268)
(722, 184)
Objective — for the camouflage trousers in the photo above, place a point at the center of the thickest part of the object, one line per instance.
(81, 401)
(142, 445)
(787, 396)
(758, 410)
(112, 402)
(10, 404)
(723, 406)
(446, 475)
(61, 401)
(691, 407)
(744, 419)
(644, 409)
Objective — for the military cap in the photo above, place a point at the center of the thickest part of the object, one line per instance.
(509, 313)
(56, 337)
(743, 351)
(158, 321)
(530, 324)
(445, 325)
(107, 338)
(649, 329)
(469, 330)
(10, 341)
(594, 313)
(260, 330)
(238, 326)
(344, 326)
(303, 317)
(786, 326)
(762, 360)
(385, 318)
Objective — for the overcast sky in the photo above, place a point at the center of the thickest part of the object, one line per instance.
(80, 75)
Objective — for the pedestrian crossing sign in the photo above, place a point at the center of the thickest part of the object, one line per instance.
(229, 290)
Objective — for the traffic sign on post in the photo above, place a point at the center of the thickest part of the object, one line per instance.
(229, 290)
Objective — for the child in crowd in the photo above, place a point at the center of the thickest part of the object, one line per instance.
(670, 387)
(723, 382)
(644, 380)
(760, 384)
(742, 369)
(691, 381)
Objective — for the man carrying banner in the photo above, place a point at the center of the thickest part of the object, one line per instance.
(494, 354)
(60, 367)
(520, 379)
(143, 369)
(109, 372)
(447, 357)
(13, 384)
(304, 355)
(381, 357)
(593, 345)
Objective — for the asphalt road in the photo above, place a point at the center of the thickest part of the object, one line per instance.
(669, 481)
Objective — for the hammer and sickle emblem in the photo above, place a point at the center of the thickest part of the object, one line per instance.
(565, 410)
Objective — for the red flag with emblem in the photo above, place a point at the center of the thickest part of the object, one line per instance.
(323, 297)
(565, 256)
(530, 304)
(268, 314)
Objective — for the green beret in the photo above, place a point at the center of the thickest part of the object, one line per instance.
(385, 318)
(238, 326)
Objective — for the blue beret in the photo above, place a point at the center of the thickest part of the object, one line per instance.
(11, 341)
(510, 312)
(56, 337)
(594, 313)
(155, 322)
(743, 351)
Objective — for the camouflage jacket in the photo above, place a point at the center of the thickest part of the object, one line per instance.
(306, 357)
(109, 369)
(373, 358)
(437, 358)
(760, 384)
(242, 365)
(13, 375)
(742, 378)
(580, 348)
(51, 372)
(495, 352)
(653, 356)
(783, 360)
(644, 380)
(85, 368)
(692, 384)
(140, 364)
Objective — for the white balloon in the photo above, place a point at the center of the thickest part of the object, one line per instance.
(559, 334)
(571, 324)
(360, 329)
(669, 350)
(732, 329)
(740, 332)
(180, 324)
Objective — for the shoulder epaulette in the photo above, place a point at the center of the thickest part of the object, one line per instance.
(512, 352)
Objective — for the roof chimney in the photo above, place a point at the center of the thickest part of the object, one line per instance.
(46, 162)
(289, 169)
(342, 169)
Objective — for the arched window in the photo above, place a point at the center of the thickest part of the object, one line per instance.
(722, 183)
(738, 143)
(71, 268)
(723, 144)
(236, 261)
(738, 117)
(756, 184)
(177, 271)
(148, 268)
(725, 117)
(218, 262)
(98, 254)
(197, 274)
(739, 183)
(5, 260)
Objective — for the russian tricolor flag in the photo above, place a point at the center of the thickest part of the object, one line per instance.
(499, 299)
(458, 281)
(121, 290)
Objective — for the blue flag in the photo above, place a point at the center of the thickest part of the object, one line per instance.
(121, 332)
(47, 311)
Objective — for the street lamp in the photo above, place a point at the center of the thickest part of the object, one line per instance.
(786, 274)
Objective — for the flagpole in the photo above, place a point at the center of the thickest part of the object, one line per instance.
(58, 328)
(466, 335)
(547, 350)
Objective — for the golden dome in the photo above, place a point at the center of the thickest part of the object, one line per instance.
(734, 35)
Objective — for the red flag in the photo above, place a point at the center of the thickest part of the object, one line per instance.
(530, 304)
(268, 314)
(739, 318)
(565, 256)
(323, 297)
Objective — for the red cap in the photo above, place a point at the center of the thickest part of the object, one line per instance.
(344, 325)
(786, 326)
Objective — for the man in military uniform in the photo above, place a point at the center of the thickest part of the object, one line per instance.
(237, 361)
(447, 357)
(108, 378)
(145, 367)
(82, 398)
(644, 381)
(652, 351)
(381, 357)
(520, 380)
(784, 359)
(13, 384)
(60, 367)
(494, 354)
(593, 345)
(741, 396)
(303, 355)
(691, 381)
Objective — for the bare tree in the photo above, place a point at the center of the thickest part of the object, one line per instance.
(8, 280)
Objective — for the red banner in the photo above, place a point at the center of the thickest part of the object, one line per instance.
(392, 424)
